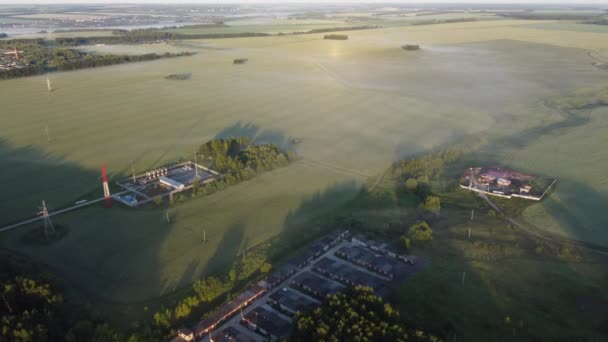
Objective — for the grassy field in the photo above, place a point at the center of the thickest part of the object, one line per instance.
(510, 290)
(356, 105)
(570, 26)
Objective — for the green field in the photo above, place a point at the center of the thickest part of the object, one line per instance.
(570, 26)
(356, 106)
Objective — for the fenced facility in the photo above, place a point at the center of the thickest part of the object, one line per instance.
(163, 182)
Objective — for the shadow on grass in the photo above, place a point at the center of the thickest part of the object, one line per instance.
(255, 133)
(30, 175)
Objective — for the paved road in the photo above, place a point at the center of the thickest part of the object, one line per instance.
(546, 235)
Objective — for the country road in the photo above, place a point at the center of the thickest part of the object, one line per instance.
(546, 235)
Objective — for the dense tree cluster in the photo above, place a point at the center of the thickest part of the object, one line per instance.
(420, 234)
(30, 308)
(240, 160)
(336, 37)
(354, 315)
(3, 35)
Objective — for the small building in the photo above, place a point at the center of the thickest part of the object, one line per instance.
(185, 334)
(503, 182)
(164, 180)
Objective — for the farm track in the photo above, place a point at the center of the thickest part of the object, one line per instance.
(548, 236)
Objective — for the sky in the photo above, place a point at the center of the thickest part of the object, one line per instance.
(598, 2)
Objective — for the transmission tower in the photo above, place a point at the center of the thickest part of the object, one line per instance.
(49, 228)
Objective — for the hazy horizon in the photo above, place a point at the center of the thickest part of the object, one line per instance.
(419, 2)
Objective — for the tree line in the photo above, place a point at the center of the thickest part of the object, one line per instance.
(144, 36)
(37, 59)
(154, 35)
(86, 60)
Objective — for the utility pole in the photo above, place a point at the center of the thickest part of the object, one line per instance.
(48, 133)
(49, 228)
(133, 172)
(167, 216)
(195, 166)
(204, 236)
(463, 277)
(469, 233)
(472, 214)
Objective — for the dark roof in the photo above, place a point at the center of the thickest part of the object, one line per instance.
(184, 331)
(269, 321)
(227, 308)
(318, 284)
(348, 274)
(293, 300)
(231, 334)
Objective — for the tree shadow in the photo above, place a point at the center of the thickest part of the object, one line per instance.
(30, 176)
(256, 134)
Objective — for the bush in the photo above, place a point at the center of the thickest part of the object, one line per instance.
(420, 233)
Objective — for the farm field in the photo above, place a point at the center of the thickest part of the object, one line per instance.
(356, 106)
(576, 207)
(570, 26)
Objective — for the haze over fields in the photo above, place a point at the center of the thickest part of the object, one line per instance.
(349, 109)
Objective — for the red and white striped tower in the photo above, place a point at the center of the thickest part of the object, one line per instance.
(106, 188)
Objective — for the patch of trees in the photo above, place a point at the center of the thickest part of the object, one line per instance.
(336, 37)
(38, 59)
(354, 315)
(239, 159)
(445, 21)
(144, 36)
(337, 29)
(209, 292)
(30, 70)
(155, 35)
(240, 61)
(410, 47)
(26, 41)
(30, 308)
(179, 77)
(547, 16)
(3, 35)
(420, 234)
(85, 60)
(597, 22)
